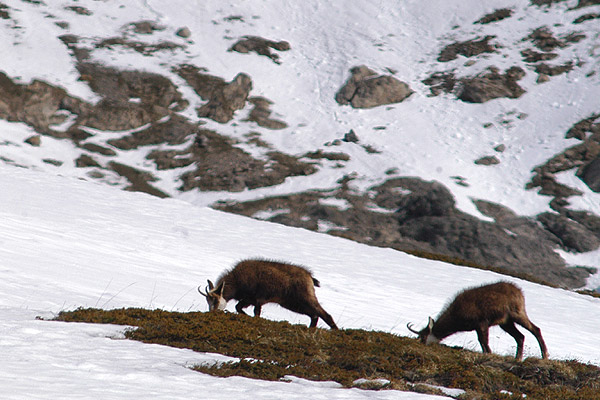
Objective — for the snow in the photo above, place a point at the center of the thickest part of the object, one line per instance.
(67, 243)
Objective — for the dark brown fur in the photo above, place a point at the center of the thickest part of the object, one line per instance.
(256, 282)
(480, 308)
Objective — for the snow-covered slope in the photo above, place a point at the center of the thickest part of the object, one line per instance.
(65, 243)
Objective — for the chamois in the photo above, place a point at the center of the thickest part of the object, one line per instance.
(256, 282)
(479, 308)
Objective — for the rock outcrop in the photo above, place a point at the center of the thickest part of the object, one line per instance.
(366, 89)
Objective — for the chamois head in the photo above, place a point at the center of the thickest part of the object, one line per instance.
(214, 296)
(425, 334)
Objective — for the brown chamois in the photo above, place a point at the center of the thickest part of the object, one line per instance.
(256, 282)
(479, 308)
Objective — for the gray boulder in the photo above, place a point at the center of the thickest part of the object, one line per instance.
(366, 89)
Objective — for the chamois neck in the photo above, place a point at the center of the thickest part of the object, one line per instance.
(443, 327)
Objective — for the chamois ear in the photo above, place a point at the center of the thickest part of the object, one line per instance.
(219, 289)
(430, 324)
(210, 285)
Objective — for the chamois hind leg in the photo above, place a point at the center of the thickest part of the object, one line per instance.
(512, 330)
(324, 315)
(537, 332)
(483, 337)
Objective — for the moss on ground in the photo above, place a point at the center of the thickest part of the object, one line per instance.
(270, 350)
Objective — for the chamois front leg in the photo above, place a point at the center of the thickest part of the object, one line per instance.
(241, 305)
(483, 337)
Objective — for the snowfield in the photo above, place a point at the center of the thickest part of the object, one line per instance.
(66, 243)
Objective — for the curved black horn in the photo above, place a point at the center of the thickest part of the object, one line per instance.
(203, 293)
(409, 326)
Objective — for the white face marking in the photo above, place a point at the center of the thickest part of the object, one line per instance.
(431, 339)
(222, 304)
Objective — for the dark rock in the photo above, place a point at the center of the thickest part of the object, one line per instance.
(573, 236)
(469, 48)
(34, 140)
(497, 15)
(184, 32)
(119, 87)
(223, 98)
(35, 104)
(590, 174)
(144, 48)
(351, 137)
(146, 27)
(545, 2)
(532, 56)
(139, 180)
(583, 127)
(261, 114)
(221, 166)
(491, 85)
(549, 70)
(441, 82)
(4, 14)
(85, 161)
(426, 222)
(94, 148)
(365, 89)
(487, 160)
(586, 3)
(586, 17)
(52, 161)
(425, 199)
(320, 154)
(173, 131)
(260, 46)
(79, 10)
(544, 40)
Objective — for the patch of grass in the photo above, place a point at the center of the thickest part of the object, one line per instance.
(270, 350)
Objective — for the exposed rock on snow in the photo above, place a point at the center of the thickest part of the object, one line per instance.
(260, 46)
(366, 89)
(469, 48)
(224, 99)
(418, 216)
(491, 85)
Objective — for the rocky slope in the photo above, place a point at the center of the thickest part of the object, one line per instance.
(181, 121)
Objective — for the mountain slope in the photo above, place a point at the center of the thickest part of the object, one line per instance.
(67, 244)
(135, 103)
